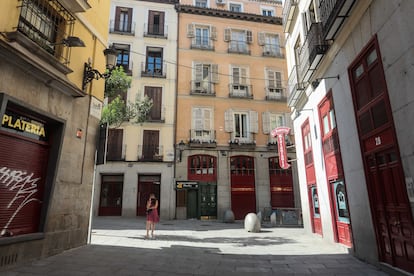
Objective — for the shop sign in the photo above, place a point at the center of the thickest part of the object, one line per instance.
(186, 184)
(24, 125)
(280, 133)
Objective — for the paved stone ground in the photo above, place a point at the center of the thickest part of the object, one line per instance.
(193, 247)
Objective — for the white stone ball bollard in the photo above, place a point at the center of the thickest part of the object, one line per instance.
(273, 219)
(252, 223)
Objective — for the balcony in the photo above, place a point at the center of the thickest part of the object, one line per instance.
(290, 11)
(75, 6)
(156, 116)
(154, 71)
(295, 88)
(311, 52)
(242, 145)
(240, 91)
(156, 31)
(275, 94)
(121, 27)
(273, 52)
(150, 153)
(202, 88)
(333, 14)
(203, 46)
(202, 138)
(239, 47)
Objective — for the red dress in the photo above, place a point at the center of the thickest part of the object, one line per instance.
(153, 214)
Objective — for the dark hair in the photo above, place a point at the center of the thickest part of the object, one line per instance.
(153, 200)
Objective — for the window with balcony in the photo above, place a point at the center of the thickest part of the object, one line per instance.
(202, 36)
(274, 89)
(202, 122)
(155, 94)
(154, 62)
(239, 86)
(239, 40)
(46, 23)
(123, 58)
(270, 121)
(204, 76)
(242, 125)
(156, 23)
(123, 20)
(114, 148)
(270, 43)
(151, 150)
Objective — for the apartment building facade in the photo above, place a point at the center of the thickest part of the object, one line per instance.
(349, 78)
(49, 123)
(139, 157)
(230, 96)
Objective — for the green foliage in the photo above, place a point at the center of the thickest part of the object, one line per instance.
(117, 83)
(115, 112)
(139, 110)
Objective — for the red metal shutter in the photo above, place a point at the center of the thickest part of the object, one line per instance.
(23, 165)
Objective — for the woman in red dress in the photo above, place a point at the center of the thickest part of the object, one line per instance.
(152, 215)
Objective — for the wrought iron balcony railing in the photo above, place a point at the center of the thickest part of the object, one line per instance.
(239, 47)
(275, 94)
(202, 87)
(333, 13)
(295, 88)
(151, 153)
(156, 31)
(240, 91)
(154, 70)
(202, 138)
(122, 27)
(289, 14)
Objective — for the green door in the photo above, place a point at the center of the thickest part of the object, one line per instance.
(191, 204)
(208, 200)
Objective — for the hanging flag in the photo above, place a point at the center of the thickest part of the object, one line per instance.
(280, 133)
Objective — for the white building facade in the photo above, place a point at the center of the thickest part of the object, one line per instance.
(139, 156)
(350, 66)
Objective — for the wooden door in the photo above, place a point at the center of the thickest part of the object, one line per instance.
(390, 207)
(150, 145)
(110, 203)
(208, 200)
(281, 185)
(155, 94)
(147, 184)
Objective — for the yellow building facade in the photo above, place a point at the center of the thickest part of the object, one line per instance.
(49, 123)
(230, 96)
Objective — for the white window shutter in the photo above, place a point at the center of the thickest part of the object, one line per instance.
(207, 119)
(271, 78)
(190, 30)
(227, 34)
(198, 72)
(236, 75)
(265, 123)
(254, 121)
(278, 76)
(214, 73)
(261, 38)
(249, 36)
(213, 33)
(243, 76)
(228, 121)
(198, 119)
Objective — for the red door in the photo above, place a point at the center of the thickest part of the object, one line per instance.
(311, 179)
(390, 207)
(281, 185)
(334, 172)
(147, 184)
(110, 203)
(243, 195)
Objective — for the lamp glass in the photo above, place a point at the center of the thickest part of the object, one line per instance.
(111, 57)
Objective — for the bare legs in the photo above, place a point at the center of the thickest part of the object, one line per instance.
(150, 226)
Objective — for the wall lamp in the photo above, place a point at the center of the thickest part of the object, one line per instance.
(181, 147)
(89, 73)
(316, 82)
(71, 41)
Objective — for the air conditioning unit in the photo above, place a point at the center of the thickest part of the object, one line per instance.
(220, 2)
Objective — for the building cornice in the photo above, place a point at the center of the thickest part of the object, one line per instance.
(228, 14)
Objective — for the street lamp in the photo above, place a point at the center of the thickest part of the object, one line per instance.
(181, 147)
(89, 73)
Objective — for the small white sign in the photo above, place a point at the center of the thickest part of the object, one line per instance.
(410, 188)
(96, 108)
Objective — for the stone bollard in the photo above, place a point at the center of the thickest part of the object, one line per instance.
(273, 219)
(252, 223)
(228, 216)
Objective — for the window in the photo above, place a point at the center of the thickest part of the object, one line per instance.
(239, 86)
(241, 124)
(271, 121)
(201, 3)
(202, 125)
(154, 61)
(202, 35)
(155, 94)
(123, 19)
(267, 12)
(151, 150)
(235, 7)
(123, 56)
(156, 22)
(204, 76)
(270, 43)
(274, 84)
(202, 165)
(114, 148)
(45, 22)
(239, 40)
(307, 144)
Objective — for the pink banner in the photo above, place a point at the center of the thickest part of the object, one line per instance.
(280, 133)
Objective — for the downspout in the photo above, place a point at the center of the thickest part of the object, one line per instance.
(176, 109)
